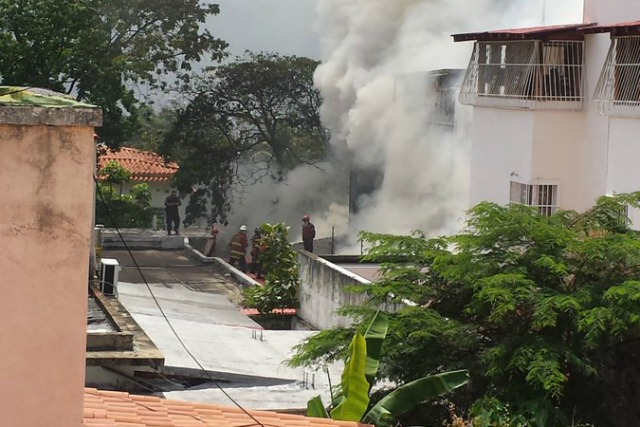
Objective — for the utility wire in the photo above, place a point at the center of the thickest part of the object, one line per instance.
(144, 279)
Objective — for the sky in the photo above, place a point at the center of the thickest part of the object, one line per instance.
(290, 27)
(283, 26)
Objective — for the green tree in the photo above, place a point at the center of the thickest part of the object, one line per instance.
(114, 173)
(260, 112)
(351, 402)
(131, 210)
(98, 50)
(543, 311)
(279, 262)
(151, 126)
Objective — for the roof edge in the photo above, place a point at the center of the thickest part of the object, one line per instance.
(45, 116)
(562, 32)
(632, 27)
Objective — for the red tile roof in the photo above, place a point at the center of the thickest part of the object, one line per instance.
(145, 166)
(564, 32)
(119, 409)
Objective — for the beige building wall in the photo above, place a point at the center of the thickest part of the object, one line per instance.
(46, 166)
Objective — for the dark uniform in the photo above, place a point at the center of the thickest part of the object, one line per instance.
(308, 234)
(171, 204)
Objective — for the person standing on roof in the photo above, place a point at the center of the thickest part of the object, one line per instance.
(308, 233)
(238, 246)
(171, 204)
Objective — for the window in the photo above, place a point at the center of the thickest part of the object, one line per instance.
(542, 196)
(618, 89)
(525, 74)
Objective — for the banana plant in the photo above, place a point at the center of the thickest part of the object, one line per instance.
(361, 368)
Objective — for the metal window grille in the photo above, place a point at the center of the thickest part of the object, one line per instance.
(525, 75)
(544, 197)
(618, 89)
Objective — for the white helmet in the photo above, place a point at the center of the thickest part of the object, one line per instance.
(243, 228)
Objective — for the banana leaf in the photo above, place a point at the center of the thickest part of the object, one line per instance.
(355, 387)
(410, 395)
(375, 335)
(315, 408)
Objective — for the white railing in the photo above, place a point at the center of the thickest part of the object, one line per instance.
(525, 75)
(618, 89)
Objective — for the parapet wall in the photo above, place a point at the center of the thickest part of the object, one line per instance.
(323, 290)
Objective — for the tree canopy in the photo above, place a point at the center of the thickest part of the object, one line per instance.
(251, 119)
(544, 312)
(99, 50)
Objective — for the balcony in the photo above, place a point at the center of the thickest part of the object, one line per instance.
(527, 75)
(618, 89)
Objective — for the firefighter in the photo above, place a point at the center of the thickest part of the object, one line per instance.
(308, 233)
(238, 248)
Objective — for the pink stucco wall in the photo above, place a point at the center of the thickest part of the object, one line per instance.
(46, 208)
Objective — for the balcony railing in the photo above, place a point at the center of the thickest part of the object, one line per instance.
(525, 75)
(618, 89)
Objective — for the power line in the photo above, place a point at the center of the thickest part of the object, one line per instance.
(155, 300)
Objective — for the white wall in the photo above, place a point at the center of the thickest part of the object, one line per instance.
(501, 151)
(611, 11)
(323, 291)
(624, 156)
(559, 156)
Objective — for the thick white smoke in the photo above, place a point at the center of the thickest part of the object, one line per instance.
(373, 47)
(377, 105)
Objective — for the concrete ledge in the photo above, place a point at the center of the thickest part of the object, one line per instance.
(27, 115)
(196, 255)
(143, 352)
(109, 341)
(141, 240)
(242, 278)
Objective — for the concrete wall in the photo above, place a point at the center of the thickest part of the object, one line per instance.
(47, 210)
(501, 151)
(624, 152)
(322, 291)
(559, 157)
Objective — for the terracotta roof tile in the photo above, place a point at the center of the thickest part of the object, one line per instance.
(120, 409)
(145, 166)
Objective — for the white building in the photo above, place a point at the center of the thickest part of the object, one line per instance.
(556, 110)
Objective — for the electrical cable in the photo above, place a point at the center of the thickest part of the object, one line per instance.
(104, 202)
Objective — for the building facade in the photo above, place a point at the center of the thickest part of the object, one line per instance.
(556, 110)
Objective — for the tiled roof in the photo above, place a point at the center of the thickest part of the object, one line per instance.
(144, 166)
(569, 31)
(119, 409)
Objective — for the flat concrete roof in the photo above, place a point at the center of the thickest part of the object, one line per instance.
(197, 300)
(370, 272)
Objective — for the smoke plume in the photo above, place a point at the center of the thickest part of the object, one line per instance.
(378, 102)
(379, 106)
